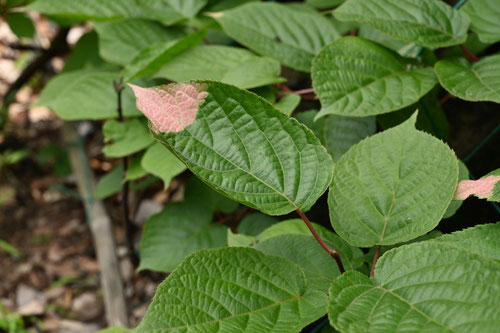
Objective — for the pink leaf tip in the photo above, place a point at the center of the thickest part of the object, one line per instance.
(170, 108)
(481, 188)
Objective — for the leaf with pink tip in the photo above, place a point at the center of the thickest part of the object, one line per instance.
(239, 144)
(488, 187)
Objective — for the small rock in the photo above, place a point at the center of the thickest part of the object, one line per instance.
(66, 326)
(146, 209)
(87, 306)
(29, 301)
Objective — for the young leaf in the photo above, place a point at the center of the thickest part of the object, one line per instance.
(347, 252)
(392, 187)
(234, 290)
(477, 82)
(120, 41)
(125, 138)
(21, 25)
(179, 230)
(447, 284)
(338, 133)
(110, 183)
(484, 19)
(429, 23)
(304, 250)
(228, 64)
(290, 36)
(86, 94)
(488, 187)
(152, 58)
(356, 77)
(288, 103)
(162, 163)
(239, 144)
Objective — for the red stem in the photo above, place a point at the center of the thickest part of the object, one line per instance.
(304, 91)
(468, 53)
(446, 98)
(335, 255)
(375, 258)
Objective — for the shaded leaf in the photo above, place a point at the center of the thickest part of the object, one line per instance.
(272, 29)
(234, 290)
(288, 103)
(21, 25)
(429, 23)
(110, 183)
(356, 77)
(198, 191)
(255, 223)
(179, 230)
(338, 133)
(392, 187)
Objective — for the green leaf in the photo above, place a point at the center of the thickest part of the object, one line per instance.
(319, 267)
(392, 187)
(338, 133)
(484, 19)
(85, 55)
(198, 191)
(356, 77)
(21, 25)
(255, 223)
(271, 29)
(135, 169)
(162, 163)
(367, 32)
(219, 5)
(239, 239)
(228, 64)
(239, 144)
(179, 230)
(110, 183)
(431, 117)
(487, 187)
(463, 174)
(234, 290)
(166, 11)
(324, 3)
(449, 284)
(348, 253)
(86, 94)
(121, 41)
(288, 103)
(429, 23)
(151, 59)
(10, 249)
(125, 138)
(476, 82)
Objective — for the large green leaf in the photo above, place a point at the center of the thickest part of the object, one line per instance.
(152, 58)
(180, 229)
(484, 19)
(166, 11)
(356, 77)
(319, 267)
(239, 144)
(271, 29)
(121, 41)
(160, 162)
(86, 94)
(125, 138)
(234, 290)
(392, 187)
(228, 64)
(338, 133)
(477, 82)
(449, 284)
(430, 23)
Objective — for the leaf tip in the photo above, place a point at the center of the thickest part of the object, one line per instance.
(170, 108)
